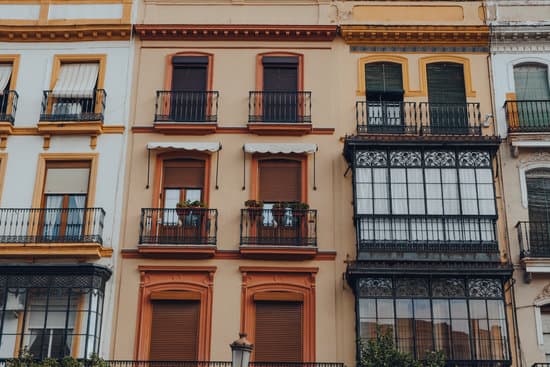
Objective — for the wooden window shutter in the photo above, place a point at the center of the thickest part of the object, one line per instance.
(446, 83)
(279, 332)
(280, 180)
(189, 73)
(175, 330)
(384, 79)
(183, 174)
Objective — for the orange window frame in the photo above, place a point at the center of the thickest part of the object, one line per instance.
(280, 283)
(255, 173)
(177, 283)
(13, 60)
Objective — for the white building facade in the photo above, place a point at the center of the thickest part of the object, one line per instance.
(65, 73)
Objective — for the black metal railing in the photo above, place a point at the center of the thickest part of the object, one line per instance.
(386, 117)
(427, 233)
(396, 117)
(43, 225)
(449, 118)
(279, 107)
(181, 226)
(528, 116)
(132, 363)
(534, 239)
(8, 105)
(284, 227)
(78, 106)
(186, 106)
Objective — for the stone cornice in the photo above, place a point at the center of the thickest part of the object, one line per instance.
(235, 32)
(416, 35)
(65, 33)
(520, 38)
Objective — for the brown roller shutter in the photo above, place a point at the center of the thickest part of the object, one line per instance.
(279, 331)
(183, 174)
(280, 180)
(174, 331)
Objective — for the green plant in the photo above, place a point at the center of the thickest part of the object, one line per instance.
(280, 205)
(381, 352)
(300, 206)
(27, 359)
(190, 204)
(253, 204)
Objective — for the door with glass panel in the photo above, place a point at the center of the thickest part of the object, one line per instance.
(63, 215)
(448, 111)
(183, 219)
(384, 84)
(533, 96)
(538, 198)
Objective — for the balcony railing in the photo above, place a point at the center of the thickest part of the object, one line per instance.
(534, 239)
(8, 105)
(181, 226)
(130, 363)
(63, 106)
(279, 107)
(438, 233)
(284, 227)
(42, 225)
(386, 117)
(528, 116)
(186, 106)
(397, 117)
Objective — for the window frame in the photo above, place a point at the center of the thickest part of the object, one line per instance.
(169, 68)
(260, 68)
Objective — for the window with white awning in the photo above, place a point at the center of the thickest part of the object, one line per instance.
(76, 80)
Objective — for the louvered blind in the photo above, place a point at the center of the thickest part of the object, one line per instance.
(278, 332)
(280, 180)
(384, 76)
(174, 331)
(184, 174)
(538, 194)
(531, 82)
(446, 83)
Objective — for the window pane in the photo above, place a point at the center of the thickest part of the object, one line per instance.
(416, 191)
(367, 308)
(398, 190)
(381, 195)
(405, 334)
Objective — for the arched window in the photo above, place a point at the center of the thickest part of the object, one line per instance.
(531, 82)
(538, 194)
(384, 81)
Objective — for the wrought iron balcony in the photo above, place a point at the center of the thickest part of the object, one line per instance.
(386, 117)
(217, 364)
(279, 107)
(528, 116)
(8, 105)
(427, 233)
(186, 106)
(397, 117)
(534, 239)
(278, 227)
(181, 226)
(63, 106)
(44, 225)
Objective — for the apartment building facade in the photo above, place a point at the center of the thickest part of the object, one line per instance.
(520, 57)
(430, 242)
(63, 97)
(234, 219)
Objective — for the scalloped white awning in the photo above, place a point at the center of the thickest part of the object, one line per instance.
(286, 148)
(76, 80)
(198, 146)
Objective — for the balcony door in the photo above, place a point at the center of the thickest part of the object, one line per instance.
(183, 182)
(538, 198)
(189, 99)
(384, 83)
(279, 331)
(174, 330)
(64, 200)
(532, 94)
(448, 112)
(280, 99)
(280, 181)
(5, 81)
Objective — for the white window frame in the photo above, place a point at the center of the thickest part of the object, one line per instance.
(523, 169)
(524, 60)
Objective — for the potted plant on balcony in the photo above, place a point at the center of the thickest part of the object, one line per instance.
(185, 209)
(254, 207)
(278, 211)
(299, 212)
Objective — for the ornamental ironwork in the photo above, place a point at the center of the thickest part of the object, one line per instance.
(371, 158)
(484, 288)
(405, 159)
(439, 159)
(375, 287)
(412, 287)
(474, 159)
(448, 287)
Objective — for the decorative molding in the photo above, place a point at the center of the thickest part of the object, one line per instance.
(520, 38)
(134, 253)
(235, 32)
(422, 49)
(443, 36)
(65, 33)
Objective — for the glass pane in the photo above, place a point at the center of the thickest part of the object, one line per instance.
(385, 308)
(193, 194)
(367, 308)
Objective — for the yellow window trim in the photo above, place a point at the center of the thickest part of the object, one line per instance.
(14, 61)
(424, 61)
(361, 86)
(43, 158)
(3, 165)
(79, 58)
